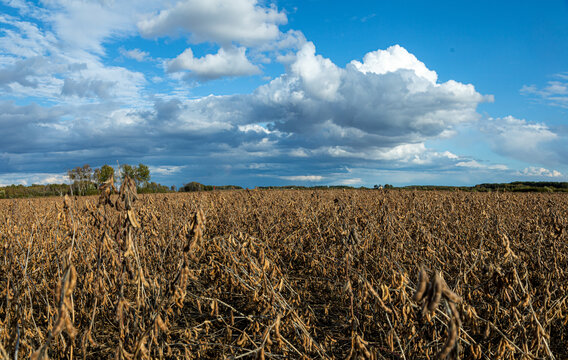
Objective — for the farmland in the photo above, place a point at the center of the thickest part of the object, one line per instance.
(277, 274)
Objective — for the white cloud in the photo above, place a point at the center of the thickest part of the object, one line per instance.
(255, 128)
(244, 21)
(23, 39)
(165, 170)
(414, 153)
(135, 54)
(352, 181)
(84, 25)
(310, 178)
(403, 152)
(292, 39)
(227, 62)
(392, 59)
(42, 63)
(520, 139)
(450, 155)
(470, 164)
(26, 8)
(236, 26)
(473, 164)
(283, 48)
(540, 172)
(338, 115)
(319, 76)
(500, 167)
(400, 155)
(96, 79)
(344, 113)
(554, 93)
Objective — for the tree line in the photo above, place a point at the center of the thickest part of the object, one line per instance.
(85, 180)
(195, 186)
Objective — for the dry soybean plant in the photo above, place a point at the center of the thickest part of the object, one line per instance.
(279, 274)
(431, 293)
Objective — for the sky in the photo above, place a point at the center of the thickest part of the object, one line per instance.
(259, 93)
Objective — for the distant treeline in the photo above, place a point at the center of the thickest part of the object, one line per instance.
(35, 190)
(517, 186)
(525, 186)
(91, 188)
(195, 186)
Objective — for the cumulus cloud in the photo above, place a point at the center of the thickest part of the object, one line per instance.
(404, 152)
(244, 21)
(226, 62)
(321, 104)
(415, 153)
(317, 110)
(392, 59)
(234, 26)
(540, 172)
(319, 76)
(398, 156)
(353, 117)
(520, 139)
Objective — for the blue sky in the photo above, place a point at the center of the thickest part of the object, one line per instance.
(310, 92)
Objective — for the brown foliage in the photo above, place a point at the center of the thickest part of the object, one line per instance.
(285, 274)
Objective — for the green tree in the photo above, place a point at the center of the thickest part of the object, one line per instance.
(140, 174)
(103, 174)
(153, 187)
(192, 186)
(127, 170)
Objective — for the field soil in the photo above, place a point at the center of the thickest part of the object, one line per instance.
(285, 274)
